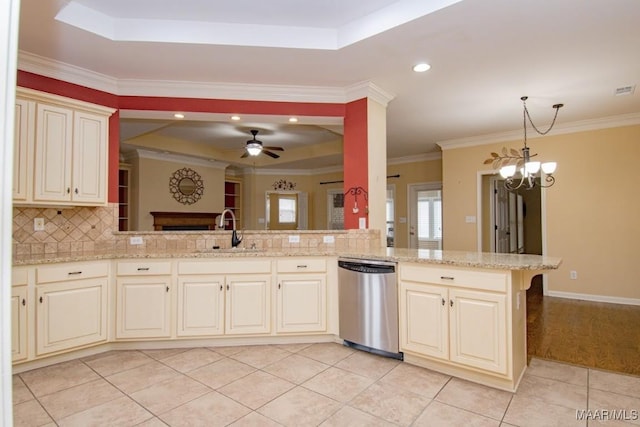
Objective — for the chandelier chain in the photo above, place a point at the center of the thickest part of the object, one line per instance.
(527, 115)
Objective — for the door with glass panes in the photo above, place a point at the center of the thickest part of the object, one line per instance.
(425, 216)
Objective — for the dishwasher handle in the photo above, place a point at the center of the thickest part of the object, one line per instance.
(361, 267)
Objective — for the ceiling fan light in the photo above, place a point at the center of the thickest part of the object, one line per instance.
(549, 167)
(254, 149)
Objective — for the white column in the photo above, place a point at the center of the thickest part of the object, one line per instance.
(377, 158)
(9, 14)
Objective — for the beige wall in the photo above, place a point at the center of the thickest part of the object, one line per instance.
(591, 211)
(150, 190)
(410, 173)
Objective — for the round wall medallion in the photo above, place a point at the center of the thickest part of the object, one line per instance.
(185, 185)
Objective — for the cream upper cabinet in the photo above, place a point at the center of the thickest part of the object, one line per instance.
(24, 137)
(457, 316)
(301, 302)
(200, 305)
(71, 306)
(70, 155)
(143, 299)
(248, 304)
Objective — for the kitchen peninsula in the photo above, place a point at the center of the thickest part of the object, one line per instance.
(462, 313)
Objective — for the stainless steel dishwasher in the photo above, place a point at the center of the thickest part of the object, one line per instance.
(368, 306)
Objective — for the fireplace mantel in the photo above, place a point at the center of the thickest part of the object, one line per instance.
(164, 221)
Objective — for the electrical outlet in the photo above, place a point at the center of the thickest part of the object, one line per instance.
(328, 239)
(573, 275)
(294, 239)
(362, 223)
(135, 240)
(38, 224)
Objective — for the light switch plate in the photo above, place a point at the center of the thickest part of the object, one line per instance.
(135, 240)
(294, 239)
(470, 219)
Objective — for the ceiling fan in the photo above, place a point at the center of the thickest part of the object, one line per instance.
(254, 147)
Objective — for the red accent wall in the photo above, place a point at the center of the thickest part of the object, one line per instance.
(70, 90)
(356, 154)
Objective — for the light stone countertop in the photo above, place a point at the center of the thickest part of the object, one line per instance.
(482, 260)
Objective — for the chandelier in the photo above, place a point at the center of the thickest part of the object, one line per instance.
(517, 168)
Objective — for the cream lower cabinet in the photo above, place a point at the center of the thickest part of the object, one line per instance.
(231, 297)
(248, 304)
(201, 305)
(71, 306)
(301, 302)
(19, 323)
(455, 323)
(143, 299)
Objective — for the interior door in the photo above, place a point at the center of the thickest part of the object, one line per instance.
(425, 216)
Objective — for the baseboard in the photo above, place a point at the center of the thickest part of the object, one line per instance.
(595, 298)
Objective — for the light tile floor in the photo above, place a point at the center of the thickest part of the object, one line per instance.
(306, 385)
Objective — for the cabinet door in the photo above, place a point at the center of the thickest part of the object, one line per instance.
(89, 158)
(248, 304)
(478, 329)
(71, 314)
(143, 307)
(302, 303)
(200, 305)
(23, 148)
(18, 323)
(424, 319)
(53, 153)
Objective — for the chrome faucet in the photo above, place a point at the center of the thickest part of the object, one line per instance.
(235, 241)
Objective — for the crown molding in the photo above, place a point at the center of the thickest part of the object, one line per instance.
(622, 120)
(413, 159)
(176, 158)
(368, 90)
(215, 90)
(69, 73)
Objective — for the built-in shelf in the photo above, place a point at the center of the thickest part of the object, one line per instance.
(233, 202)
(123, 199)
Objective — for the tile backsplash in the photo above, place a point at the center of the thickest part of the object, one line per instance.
(95, 229)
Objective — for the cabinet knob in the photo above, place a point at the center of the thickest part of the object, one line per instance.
(451, 303)
(24, 301)
(76, 191)
(220, 287)
(167, 289)
(227, 287)
(68, 190)
(40, 300)
(443, 301)
(279, 285)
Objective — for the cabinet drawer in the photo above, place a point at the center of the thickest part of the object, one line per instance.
(244, 266)
(302, 265)
(19, 277)
(143, 268)
(66, 272)
(485, 280)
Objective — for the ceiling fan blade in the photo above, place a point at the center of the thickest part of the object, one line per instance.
(245, 154)
(274, 148)
(270, 154)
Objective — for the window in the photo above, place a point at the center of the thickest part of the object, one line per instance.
(287, 209)
(429, 215)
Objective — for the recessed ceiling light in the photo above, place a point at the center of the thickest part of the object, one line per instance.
(293, 119)
(178, 116)
(421, 67)
(235, 117)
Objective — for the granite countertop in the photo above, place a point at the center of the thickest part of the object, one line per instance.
(451, 258)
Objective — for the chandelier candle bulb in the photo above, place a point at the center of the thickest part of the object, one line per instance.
(549, 167)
